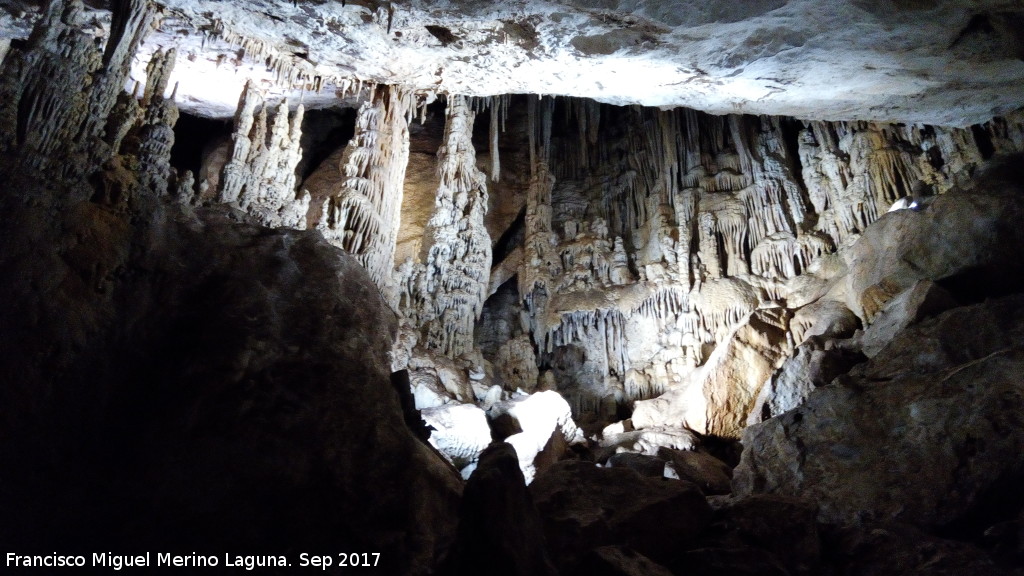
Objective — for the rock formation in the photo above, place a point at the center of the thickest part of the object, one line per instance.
(645, 340)
(179, 378)
(446, 295)
(361, 212)
(259, 176)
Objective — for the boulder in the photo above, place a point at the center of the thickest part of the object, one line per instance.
(809, 368)
(460, 431)
(783, 526)
(647, 466)
(974, 232)
(957, 337)
(180, 380)
(618, 561)
(926, 433)
(710, 474)
(584, 506)
(825, 318)
(438, 380)
(500, 531)
(545, 425)
(925, 298)
(427, 389)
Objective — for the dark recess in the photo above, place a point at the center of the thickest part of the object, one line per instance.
(191, 135)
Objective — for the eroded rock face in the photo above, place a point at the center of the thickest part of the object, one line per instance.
(923, 299)
(215, 389)
(808, 368)
(949, 420)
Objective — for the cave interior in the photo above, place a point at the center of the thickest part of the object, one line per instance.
(551, 287)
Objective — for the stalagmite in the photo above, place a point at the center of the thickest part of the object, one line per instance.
(154, 136)
(260, 174)
(449, 291)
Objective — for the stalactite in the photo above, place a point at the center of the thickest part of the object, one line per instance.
(153, 138)
(60, 88)
(498, 107)
(604, 326)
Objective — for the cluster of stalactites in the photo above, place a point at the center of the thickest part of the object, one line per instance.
(782, 255)
(363, 216)
(855, 170)
(717, 209)
(260, 175)
(295, 72)
(60, 89)
(498, 106)
(605, 326)
(445, 295)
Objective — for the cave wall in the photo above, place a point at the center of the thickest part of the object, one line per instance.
(201, 364)
(177, 376)
(652, 236)
(639, 239)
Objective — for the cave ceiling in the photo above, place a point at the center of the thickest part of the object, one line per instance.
(922, 61)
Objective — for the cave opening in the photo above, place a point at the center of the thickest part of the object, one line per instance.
(192, 136)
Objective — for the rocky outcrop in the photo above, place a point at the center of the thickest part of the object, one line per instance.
(584, 507)
(708, 473)
(938, 405)
(808, 368)
(500, 530)
(935, 400)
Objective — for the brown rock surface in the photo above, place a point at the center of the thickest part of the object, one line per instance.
(185, 381)
(584, 506)
(923, 299)
(972, 233)
(710, 474)
(926, 433)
